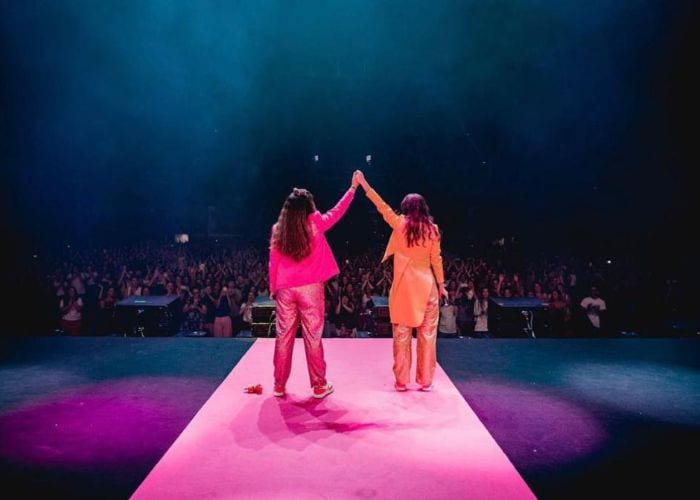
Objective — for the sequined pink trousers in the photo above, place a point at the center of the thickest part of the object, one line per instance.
(303, 304)
(426, 345)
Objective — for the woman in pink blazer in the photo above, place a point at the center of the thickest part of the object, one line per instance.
(300, 262)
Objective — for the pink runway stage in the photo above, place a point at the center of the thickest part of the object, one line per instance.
(363, 441)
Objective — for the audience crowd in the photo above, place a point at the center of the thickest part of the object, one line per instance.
(214, 288)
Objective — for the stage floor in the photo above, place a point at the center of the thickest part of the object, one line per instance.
(167, 417)
(365, 440)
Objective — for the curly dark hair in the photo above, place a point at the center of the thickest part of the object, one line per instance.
(419, 226)
(291, 235)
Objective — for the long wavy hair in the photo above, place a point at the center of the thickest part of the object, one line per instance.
(291, 235)
(419, 223)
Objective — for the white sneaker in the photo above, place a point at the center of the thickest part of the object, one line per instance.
(322, 391)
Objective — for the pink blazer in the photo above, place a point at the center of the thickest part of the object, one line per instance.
(318, 266)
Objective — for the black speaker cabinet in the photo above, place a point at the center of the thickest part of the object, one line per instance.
(382, 330)
(148, 316)
(515, 317)
(263, 329)
(263, 310)
(264, 318)
(380, 311)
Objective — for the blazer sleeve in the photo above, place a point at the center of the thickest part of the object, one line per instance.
(436, 258)
(272, 267)
(387, 212)
(330, 218)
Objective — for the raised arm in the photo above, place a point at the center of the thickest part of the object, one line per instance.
(385, 210)
(330, 218)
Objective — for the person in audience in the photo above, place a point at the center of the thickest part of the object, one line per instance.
(447, 325)
(263, 289)
(222, 314)
(539, 293)
(132, 288)
(210, 302)
(194, 312)
(247, 312)
(345, 311)
(465, 310)
(77, 282)
(557, 314)
(108, 303)
(594, 308)
(481, 314)
(170, 290)
(71, 306)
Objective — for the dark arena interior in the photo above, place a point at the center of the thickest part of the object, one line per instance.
(150, 146)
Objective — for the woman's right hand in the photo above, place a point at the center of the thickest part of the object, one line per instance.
(355, 180)
(361, 179)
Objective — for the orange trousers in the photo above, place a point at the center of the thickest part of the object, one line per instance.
(425, 350)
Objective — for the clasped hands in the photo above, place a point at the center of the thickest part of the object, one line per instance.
(358, 179)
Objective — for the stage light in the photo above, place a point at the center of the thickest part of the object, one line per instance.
(368, 159)
(316, 158)
(608, 261)
(182, 238)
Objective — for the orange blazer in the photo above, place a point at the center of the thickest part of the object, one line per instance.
(416, 268)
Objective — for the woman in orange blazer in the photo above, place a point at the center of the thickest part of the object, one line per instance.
(419, 282)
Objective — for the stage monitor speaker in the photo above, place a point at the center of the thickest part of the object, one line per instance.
(380, 310)
(382, 330)
(264, 318)
(263, 329)
(148, 316)
(515, 317)
(380, 319)
(263, 310)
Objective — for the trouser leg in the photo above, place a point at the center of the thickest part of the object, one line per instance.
(402, 353)
(311, 310)
(427, 341)
(286, 324)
